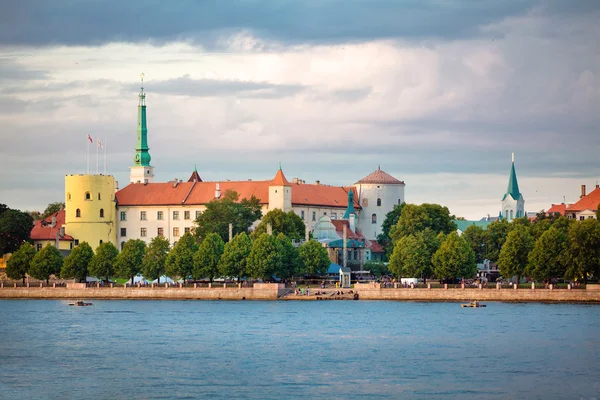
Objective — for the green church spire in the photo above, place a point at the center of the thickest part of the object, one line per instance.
(142, 157)
(513, 185)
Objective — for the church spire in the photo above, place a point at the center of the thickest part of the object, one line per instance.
(141, 171)
(513, 185)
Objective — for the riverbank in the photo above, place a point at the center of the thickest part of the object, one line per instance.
(268, 291)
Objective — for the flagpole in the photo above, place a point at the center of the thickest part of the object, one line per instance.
(88, 155)
(104, 154)
(97, 157)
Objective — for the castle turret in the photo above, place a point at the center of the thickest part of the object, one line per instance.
(141, 171)
(280, 192)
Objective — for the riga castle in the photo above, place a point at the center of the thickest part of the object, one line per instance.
(96, 211)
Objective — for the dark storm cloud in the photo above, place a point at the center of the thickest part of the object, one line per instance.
(75, 22)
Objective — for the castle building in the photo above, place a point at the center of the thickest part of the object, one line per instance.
(144, 209)
(513, 203)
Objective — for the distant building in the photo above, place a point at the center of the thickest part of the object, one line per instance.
(557, 210)
(513, 203)
(51, 231)
(587, 205)
(462, 225)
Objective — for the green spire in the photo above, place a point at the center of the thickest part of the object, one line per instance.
(142, 157)
(350, 208)
(513, 185)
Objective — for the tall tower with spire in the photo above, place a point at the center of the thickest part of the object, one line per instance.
(513, 203)
(141, 170)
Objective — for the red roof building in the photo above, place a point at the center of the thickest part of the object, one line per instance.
(587, 205)
(557, 209)
(49, 231)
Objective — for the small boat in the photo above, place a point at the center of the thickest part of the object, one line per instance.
(80, 304)
(474, 304)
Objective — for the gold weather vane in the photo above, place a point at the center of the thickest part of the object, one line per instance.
(142, 76)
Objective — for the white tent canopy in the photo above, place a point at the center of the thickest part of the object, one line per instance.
(140, 279)
(166, 279)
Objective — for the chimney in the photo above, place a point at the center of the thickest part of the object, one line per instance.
(175, 182)
(352, 223)
(582, 191)
(597, 185)
(53, 223)
(56, 241)
(218, 191)
(318, 182)
(62, 207)
(62, 231)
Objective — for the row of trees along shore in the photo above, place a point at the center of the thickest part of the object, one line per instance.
(205, 254)
(422, 241)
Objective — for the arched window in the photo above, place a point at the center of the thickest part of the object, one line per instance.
(511, 214)
(98, 195)
(100, 241)
(374, 218)
(378, 202)
(88, 196)
(102, 213)
(68, 196)
(78, 213)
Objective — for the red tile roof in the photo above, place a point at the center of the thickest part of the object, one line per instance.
(381, 177)
(279, 179)
(195, 177)
(339, 228)
(589, 202)
(376, 247)
(43, 230)
(557, 208)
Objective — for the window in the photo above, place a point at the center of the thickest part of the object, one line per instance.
(123, 232)
(102, 213)
(333, 216)
(78, 213)
(374, 218)
(68, 196)
(399, 201)
(76, 242)
(314, 216)
(71, 245)
(197, 214)
(159, 215)
(378, 202)
(38, 246)
(99, 198)
(186, 215)
(186, 229)
(302, 214)
(324, 213)
(123, 216)
(100, 241)
(143, 216)
(143, 232)
(365, 202)
(581, 218)
(175, 232)
(160, 232)
(175, 215)
(88, 196)
(122, 245)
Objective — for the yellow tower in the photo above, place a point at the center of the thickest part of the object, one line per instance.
(90, 212)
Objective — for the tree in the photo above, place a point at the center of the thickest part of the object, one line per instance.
(495, 235)
(539, 227)
(221, 212)
(3, 207)
(415, 218)
(18, 264)
(454, 258)
(515, 252)
(314, 258)
(153, 262)
(51, 209)
(414, 254)
(180, 261)
(583, 249)
(290, 259)
(288, 223)
(103, 262)
(547, 260)
(206, 259)
(598, 212)
(402, 254)
(130, 260)
(377, 268)
(391, 220)
(475, 236)
(15, 228)
(48, 261)
(265, 257)
(76, 264)
(235, 255)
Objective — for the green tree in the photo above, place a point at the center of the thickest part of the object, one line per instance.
(515, 252)
(76, 264)
(547, 259)
(48, 261)
(288, 223)
(221, 212)
(103, 262)
(391, 220)
(15, 228)
(180, 261)
(475, 236)
(454, 258)
(290, 259)
(130, 260)
(495, 235)
(598, 212)
(583, 250)
(415, 253)
(235, 255)
(414, 219)
(18, 264)
(402, 254)
(265, 257)
(314, 258)
(539, 227)
(377, 268)
(206, 259)
(51, 209)
(153, 262)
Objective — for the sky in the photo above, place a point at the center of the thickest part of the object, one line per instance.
(439, 93)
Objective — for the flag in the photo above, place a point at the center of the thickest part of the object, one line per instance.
(100, 144)
(90, 139)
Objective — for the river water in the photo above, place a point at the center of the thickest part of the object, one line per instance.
(307, 350)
